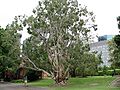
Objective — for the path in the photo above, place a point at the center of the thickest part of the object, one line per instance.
(116, 82)
(11, 86)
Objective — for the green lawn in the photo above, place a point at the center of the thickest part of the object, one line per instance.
(90, 83)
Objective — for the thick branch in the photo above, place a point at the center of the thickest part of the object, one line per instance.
(34, 66)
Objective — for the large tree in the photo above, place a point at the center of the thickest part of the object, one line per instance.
(9, 49)
(59, 24)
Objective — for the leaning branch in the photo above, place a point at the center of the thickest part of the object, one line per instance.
(34, 66)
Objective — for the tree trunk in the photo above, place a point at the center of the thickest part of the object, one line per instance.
(61, 81)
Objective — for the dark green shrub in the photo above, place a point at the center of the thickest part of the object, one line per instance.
(100, 73)
(17, 81)
(117, 71)
(86, 72)
(110, 72)
(33, 75)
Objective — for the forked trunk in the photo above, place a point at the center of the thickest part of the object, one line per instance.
(61, 80)
(60, 77)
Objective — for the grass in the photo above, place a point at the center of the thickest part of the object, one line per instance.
(42, 83)
(17, 81)
(90, 83)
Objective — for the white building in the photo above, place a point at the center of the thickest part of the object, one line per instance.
(101, 47)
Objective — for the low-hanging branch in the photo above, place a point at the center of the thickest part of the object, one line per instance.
(34, 66)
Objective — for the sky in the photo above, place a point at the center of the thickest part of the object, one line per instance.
(106, 12)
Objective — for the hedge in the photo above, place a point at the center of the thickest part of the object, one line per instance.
(109, 72)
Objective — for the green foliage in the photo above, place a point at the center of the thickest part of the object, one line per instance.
(17, 81)
(89, 64)
(114, 48)
(114, 54)
(118, 19)
(33, 49)
(83, 63)
(9, 50)
(109, 72)
(117, 40)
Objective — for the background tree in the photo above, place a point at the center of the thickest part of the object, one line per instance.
(89, 65)
(114, 54)
(84, 62)
(114, 48)
(10, 50)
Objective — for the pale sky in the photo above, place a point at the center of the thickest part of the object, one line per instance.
(106, 12)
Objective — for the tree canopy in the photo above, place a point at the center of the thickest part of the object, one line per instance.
(9, 49)
(58, 25)
(60, 34)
